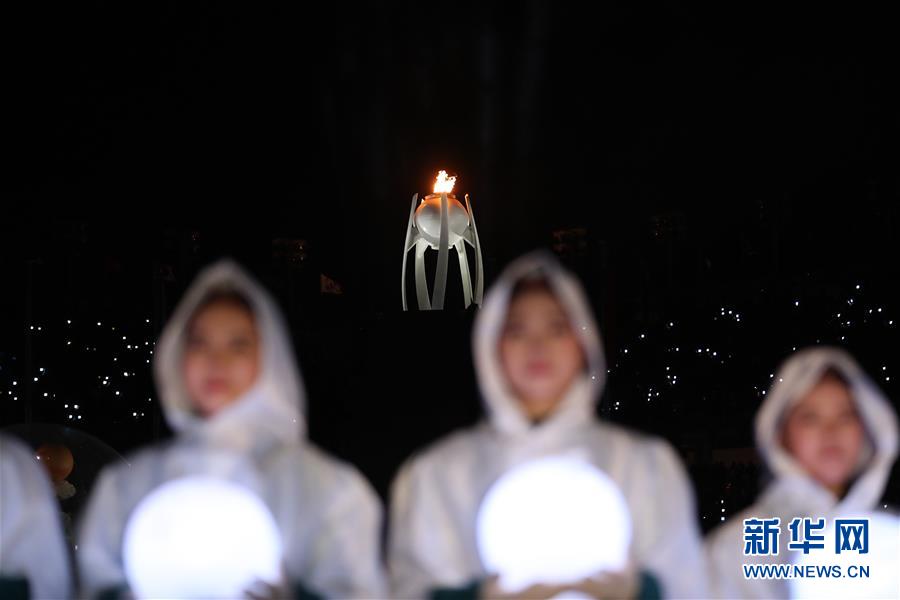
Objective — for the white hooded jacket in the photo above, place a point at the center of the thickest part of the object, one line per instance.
(328, 515)
(436, 495)
(793, 493)
(31, 535)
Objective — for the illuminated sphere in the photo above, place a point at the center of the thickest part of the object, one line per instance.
(200, 537)
(556, 520)
(882, 561)
(428, 219)
(57, 459)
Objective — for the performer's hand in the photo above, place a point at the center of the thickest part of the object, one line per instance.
(490, 590)
(610, 585)
(263, 590)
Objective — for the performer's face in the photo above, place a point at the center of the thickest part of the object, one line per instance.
(539, 352)
(221, 359)
(824, 433)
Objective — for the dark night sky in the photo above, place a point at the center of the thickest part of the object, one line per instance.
(714, 155)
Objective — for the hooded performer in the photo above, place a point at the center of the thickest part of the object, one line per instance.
(231, 391)
(829, 439)
(541, 371)
(34, 559)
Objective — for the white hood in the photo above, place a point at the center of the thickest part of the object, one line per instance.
(269, 413)
(503, 409)
(796, 377)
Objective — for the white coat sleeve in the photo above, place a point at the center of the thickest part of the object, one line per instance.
(345, 557)
(99, 555)
(31, 537)
(723, 556)
(424, 548)
(673, 549)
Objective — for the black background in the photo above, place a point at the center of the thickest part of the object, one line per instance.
(682, 158)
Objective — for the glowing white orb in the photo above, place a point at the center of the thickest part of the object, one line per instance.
(200, 537)
(882, 561)
(555, 520)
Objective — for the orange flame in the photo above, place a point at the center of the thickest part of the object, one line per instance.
(443, 183)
